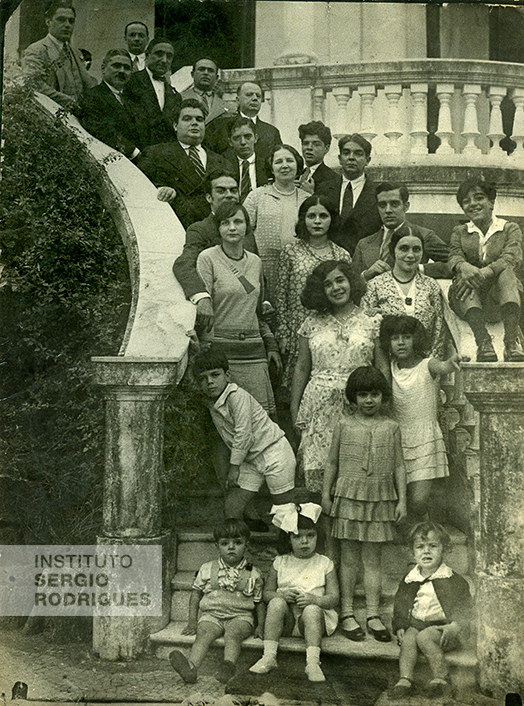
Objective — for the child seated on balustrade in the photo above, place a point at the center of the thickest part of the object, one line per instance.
(259, 450)
(431, 613)
(226, 594)
(485, 257)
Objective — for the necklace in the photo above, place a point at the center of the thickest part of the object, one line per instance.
(345, 317)
(326, 246)
(403, 281)
(284, 193)
(230, 256)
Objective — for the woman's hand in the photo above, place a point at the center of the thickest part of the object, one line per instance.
(289, 594)
(327, 504)
(274, 357)
(400, 511)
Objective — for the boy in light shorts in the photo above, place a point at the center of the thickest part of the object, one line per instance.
(259, 449)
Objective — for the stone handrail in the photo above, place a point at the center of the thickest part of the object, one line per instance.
(387, 102)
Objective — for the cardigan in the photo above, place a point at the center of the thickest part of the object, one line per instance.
(453, 595)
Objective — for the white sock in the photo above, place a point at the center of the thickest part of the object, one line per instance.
(312, 655)
(270, 649)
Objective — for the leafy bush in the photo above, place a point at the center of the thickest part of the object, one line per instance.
(64, 297)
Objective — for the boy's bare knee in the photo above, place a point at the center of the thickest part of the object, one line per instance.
(312, 612)
(238, 630)
(277, 604)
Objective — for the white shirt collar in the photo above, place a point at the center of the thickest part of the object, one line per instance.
(443, 572)
(153, 79)
(113, 90)
(229, 388)
(60, 45)
(186, 147)
(140, 57)
(251, 159)
(253, 120)
(355, 183)
(497, 224)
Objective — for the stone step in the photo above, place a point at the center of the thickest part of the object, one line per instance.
(171, 636)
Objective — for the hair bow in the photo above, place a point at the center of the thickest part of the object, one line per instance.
(286, 516)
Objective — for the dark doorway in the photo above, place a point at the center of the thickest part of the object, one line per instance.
(221, 29)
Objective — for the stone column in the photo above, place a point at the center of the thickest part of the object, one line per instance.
(134, 390)
(497, 392)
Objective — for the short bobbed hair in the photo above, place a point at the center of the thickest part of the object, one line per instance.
(289, 148)
(313, 295)
(228, 209)
(475, 183)
(393, 186)
(211, 359)
(367, 378)
(394, 324)
(422, 530)
(315, 127)
(231, 529)
(284, 541)
(357, 139)
(403, 232)
(315, 200)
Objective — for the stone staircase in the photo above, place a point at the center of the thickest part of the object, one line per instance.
(196, 546)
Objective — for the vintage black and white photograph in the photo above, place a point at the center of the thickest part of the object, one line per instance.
(262, 353)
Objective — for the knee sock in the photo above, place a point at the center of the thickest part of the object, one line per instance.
(475, 318)
(510, 313)
(312, 655)
(270, 649)
(371, 610)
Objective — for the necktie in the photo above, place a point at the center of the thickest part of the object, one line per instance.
(197, 163)
(347, 203)
(245, 181)
(384, 250)
(205, 101)
(135, 64)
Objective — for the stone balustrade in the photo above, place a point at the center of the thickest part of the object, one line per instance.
(465, 107)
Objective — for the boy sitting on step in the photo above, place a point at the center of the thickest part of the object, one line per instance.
(226, 592)
(259, 449)
(431, 612)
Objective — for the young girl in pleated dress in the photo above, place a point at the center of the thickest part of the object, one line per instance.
(415, 381)
(365, 492)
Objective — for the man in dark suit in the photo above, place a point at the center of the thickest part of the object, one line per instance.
(179, 167)
(104, 112)
(52, 65)
(136, 35)
(249, 169)
(249, 98)
(353, 192)
(205, 76)
(315, 138)
(153, 101)
(372, 256)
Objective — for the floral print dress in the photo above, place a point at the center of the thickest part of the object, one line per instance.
(337, 348)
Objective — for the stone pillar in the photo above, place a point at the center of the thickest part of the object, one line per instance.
(134, 390)
(497, 392)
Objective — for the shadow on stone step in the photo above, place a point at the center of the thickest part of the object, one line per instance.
(285, 685)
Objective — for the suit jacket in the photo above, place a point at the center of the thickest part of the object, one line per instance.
(108, 120)
(43, 64)
(168, 165)
(155, 126)
(267, 136)
(368, 250)
(218, 107)
(199, 236)
(323, 174)
(364, 218)
(503, 249)
(261, 174)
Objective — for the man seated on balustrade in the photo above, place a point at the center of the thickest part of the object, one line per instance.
(486, 259)
(372, 255)
(179, 168)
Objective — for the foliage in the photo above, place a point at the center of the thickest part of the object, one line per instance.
(64, 297)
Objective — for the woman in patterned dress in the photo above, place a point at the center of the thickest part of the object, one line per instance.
(273, 210)
(405, 290)
(336, 337)
(317, 221)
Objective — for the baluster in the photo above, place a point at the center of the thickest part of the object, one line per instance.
(445, 128)
(471, 92)
(496, 132)
(367, 98)
(518, 121)
(230, 99)
(393, 94)
(419, 133)
(342, 96)
(319, 97)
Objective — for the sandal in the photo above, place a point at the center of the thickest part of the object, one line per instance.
(400, 691)
(381, 635)
(357, 634)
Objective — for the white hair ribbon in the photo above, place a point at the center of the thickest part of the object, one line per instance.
(286, 516)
